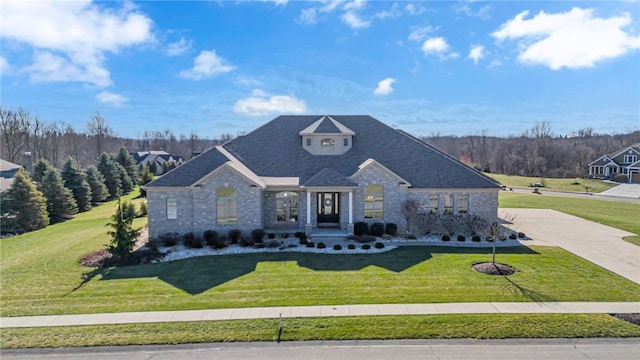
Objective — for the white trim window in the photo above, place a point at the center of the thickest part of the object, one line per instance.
(630, 159)
(226, 206)
(373, 202)
(287, 206)
(463, 203)
(433, 203)
(172, 209)
(327, 143)
(447, 203)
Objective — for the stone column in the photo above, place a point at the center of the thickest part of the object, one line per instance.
(350, 225)
(308, 227)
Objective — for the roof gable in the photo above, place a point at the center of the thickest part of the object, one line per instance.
(326, 125)
(329, 177)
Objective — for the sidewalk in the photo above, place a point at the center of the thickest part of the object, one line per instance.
(321, 311)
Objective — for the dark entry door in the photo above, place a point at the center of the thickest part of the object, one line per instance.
(328, 209)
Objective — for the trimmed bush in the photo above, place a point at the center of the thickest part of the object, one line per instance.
(170, 239)
(362, 238)
(502, 237)
(234, 235)
(310, 244)
(271, 236)
(391, 229)
(445, 238)
(284, 235)
(351, 247)
(303, 240)
(379, 245)
(272, 244)
(360, 228)
(621, 178)
(192, 241)
(322, 245)
(411, 237)
(521, 235)
(461, 238)
(246, 241)
(513, 236)
(299, 234)
(376, 229)
(337, 247)
(476, 238)
(257, 235)
(213, 239)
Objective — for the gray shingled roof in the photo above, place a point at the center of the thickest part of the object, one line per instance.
(329, 177)
(327, 127)
(275, 150)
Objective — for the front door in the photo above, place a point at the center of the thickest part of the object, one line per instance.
(328, 209)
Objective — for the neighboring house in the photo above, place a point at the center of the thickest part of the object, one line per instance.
(304, 172)
(7, 171)
(624, 161)
(158, 158)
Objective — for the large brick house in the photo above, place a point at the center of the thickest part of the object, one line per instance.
(305, 172)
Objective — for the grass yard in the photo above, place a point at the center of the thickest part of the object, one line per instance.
(620, 215)
(595, 186)
(488, 326)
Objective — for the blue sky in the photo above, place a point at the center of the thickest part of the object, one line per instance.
(214, 67)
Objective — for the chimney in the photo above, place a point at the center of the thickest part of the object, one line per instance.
(27, 161)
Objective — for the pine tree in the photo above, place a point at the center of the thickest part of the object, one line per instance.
(123, 235)
(128, 163)
(99, 191)
(60, 202)
(76, 180)
(146, 176)
(112, 178)
(23, 205)
(39, 170)
(126, 185)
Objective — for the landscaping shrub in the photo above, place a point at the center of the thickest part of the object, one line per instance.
(502, 237)
(360, 228)
(303, 239)
(192, 241)
(366, 247)
(153, 243)
(321, 245)
(351, 247)
(234, 235)
(461, 238)
(143, 209)
(376, 229)
(362, 238)
(476, 238)
(445, 238)
(451, 223)
(621, 178)
(521, 235)
(271, 236)
(411, 237)
(391, 229)
(170, 239)
(284, 235)
(257, 235)
(310, 244)
(213, 239)
(272, 243)
(246, 241)
(337, 247)
(379, 245)
(299, 234)
(490, 238)
(513, 236)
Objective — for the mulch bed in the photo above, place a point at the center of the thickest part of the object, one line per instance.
(494, 269)
(95, 259)
(633, 318)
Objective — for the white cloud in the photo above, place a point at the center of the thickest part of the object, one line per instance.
(354, 20)
(277, 2)
(419, 33)
(4, 65)
(411, 9)
(112, 99)
(476, 53)
(179, 47)
(206, 65)
(384, 87)
(330, 5)
(392, 13)
(438, 46)
(260, 103)
(75, 34)
(495, 63)
(247, 81)
(307, 16)
(482, 12)
(572, 39)
(355, 5)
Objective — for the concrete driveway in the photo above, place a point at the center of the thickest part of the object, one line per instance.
(624, 190)
(600, 244)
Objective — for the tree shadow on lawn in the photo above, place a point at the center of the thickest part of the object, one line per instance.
(199, 274)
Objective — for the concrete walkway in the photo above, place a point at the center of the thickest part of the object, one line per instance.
(624, 190)
(600, 244)
(321, 311)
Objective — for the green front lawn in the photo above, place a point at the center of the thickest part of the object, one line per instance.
(489, 326)
(569, 184)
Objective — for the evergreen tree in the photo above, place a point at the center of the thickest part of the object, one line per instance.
(39, 170)
(130, 210)
(76, 180)
(112, 177)
(153, 167)
(60, 202)
(24, 207)
(126, 185)
(146, 176)
(123, 235)
(99, 191)
(128, 163)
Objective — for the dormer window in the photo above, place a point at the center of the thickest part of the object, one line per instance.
(327, 143)
(346, 141)
(308, 141)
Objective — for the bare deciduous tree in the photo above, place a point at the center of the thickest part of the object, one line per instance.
(99, 131)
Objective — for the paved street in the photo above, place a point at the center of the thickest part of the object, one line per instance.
(521, 349)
